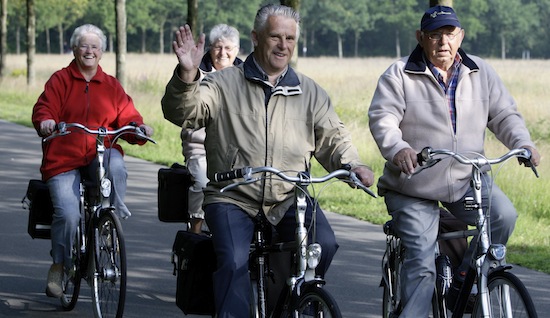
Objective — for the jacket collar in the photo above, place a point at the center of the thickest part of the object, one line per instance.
(75, 72)
(289, 82)
(416, 62)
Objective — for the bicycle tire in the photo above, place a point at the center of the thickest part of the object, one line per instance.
(314, 301)
(521, 302)
(109, 278)
(390, 302)
(72, 277)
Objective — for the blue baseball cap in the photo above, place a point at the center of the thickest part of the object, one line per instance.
(437, 17)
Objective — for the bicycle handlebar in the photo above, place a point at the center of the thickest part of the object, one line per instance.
(61, 129)
(428, 157)
(302, 178)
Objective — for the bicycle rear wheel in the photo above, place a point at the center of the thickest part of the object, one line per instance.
(509, 298)
(109, 280)
(72, 277)
(390, 293)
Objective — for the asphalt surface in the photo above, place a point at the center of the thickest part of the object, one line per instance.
(353, 278)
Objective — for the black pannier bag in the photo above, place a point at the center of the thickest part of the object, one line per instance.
(194, 263)
(173, 185)
(37, 200)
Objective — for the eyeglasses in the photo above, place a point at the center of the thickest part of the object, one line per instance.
(437, 36)
(93, 48)
(226, 48)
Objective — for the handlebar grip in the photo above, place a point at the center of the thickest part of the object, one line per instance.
(228, 175)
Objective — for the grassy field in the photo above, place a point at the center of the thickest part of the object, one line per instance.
(351, 83)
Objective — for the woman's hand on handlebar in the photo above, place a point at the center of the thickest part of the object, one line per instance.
(47, 127)
(147, 130)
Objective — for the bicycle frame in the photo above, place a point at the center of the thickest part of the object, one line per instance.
(488, 257)
(99, 246)
(306, 255)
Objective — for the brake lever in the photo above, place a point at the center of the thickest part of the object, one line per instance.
(427, 164)
(353, 177)
(234, 185)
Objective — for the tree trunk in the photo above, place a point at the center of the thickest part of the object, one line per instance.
(192, 16)
(143, 40)
(31, 41)
(3, 36)
(397, 44)
(161, 36)
(294, 4)
(120, 12)
(340, 49)
(48, 42)
(356, 44)
(447, 3)
(62, 44)
(18, 40)
(502, 46)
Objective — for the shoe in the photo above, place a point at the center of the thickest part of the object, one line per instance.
(454, 291)
(55, 281)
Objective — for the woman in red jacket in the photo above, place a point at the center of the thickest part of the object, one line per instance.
(80, 93)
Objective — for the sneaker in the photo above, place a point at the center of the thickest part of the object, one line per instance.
(454, 291)
(55, 277)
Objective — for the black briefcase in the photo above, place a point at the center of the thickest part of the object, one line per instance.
(37, 201)
(194, 263)
(173, 186)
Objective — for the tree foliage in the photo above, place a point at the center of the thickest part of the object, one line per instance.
(497, 28)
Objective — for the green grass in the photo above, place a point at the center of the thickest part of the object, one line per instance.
(350, 83)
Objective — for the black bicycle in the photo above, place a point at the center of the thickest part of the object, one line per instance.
(303, 294)
(98, 251)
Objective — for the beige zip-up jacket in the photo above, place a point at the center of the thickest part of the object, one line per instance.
(250, 123)
(409, 109)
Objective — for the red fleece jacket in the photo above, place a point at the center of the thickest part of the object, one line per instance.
(68, 97)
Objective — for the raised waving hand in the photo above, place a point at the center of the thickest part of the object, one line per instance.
(188, 52)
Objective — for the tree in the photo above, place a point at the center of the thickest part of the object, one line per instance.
(402, 16)
(120, 13)
(508, 25)
(193, 16)
(103, 15)
(31, 41)
(3, 35)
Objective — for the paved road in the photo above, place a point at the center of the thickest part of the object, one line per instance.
(353, 279)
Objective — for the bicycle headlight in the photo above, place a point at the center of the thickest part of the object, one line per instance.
(498, 251)
(106, 187)
(313, 255)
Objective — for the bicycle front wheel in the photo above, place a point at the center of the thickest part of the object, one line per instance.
(509, 298)
(109, 279)
(72, 277)
(316, 302)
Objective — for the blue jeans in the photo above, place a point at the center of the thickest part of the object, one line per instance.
(65, 194)
(232, 232)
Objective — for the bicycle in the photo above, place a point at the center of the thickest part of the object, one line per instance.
(302, 295)
(499, 292)
(98, 251)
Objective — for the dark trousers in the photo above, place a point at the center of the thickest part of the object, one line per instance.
(232, 232)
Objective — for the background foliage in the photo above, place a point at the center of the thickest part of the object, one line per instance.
(343, 28)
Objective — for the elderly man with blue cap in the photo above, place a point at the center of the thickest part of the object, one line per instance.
(439, 96)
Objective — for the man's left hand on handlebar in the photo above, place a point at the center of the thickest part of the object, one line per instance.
(535, 157)
(365, 175)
